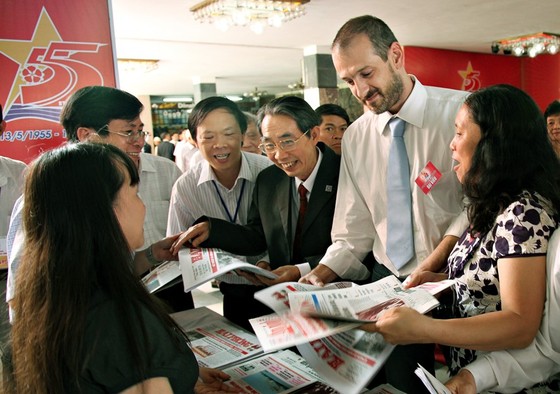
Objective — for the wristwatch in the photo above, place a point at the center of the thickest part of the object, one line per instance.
(150, 256)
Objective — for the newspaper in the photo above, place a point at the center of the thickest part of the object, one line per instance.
(347, 360)
(281, 372)
(276, 296)
(200, 265)
(362, 304)
(384, 389)
(433, 385)
(220, 344)
(162, 276)
(215, 341)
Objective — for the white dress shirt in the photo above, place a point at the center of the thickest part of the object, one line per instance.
(195, 195)
(11, 187)
(184, 151)
(510, 371)
(157, 177)
(360, 220)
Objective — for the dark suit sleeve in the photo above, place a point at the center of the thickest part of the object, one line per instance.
(244, 240)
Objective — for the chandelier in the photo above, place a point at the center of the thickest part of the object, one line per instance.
(257, 14)
(255, 95)
(137, 65)
(530, 45)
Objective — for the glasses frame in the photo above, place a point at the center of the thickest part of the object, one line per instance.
(280, 144)
(131, 136)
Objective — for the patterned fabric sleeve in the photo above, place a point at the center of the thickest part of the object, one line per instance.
(524, 228)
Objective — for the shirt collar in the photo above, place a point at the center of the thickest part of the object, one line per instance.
(207, 174)
(308, 183)
(412, 111)
(145, 165)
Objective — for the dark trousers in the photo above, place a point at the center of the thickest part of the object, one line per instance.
(399, 368)
(175, 298)
(240, 304)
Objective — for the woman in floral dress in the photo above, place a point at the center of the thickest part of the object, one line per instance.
(511, 178)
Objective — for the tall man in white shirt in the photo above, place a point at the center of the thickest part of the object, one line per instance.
(368, 57)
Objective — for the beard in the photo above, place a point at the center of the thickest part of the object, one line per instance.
(389, 96)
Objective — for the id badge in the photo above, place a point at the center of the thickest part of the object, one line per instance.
(428, 177)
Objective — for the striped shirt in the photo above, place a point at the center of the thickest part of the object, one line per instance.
(195, 195)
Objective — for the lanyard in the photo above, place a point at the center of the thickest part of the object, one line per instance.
(234, 218)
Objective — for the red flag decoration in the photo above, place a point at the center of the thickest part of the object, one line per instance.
(48, 50)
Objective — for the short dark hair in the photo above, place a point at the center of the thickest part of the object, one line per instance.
(294, 107)
(552, 109)
(204, 107)
(379, 34)
(95, 106)
(514, 154)
(332, 109)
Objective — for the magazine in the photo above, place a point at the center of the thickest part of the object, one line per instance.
(200, 265)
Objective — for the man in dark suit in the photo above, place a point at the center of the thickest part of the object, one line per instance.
(290, 130)
(166, 148)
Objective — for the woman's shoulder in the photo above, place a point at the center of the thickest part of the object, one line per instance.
(529, 209)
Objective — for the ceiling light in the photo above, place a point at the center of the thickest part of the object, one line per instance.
(178, 99)
(530, 45)
(253, 13)
(255, 94)
(137, 65)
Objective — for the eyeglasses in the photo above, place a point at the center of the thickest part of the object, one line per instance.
(285, 145)
(131, 136)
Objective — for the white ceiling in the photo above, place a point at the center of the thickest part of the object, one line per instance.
(239, 60)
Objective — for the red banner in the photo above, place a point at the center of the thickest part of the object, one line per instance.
(48, 50)
(539, 77)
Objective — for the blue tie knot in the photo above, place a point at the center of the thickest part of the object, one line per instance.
(397, 127)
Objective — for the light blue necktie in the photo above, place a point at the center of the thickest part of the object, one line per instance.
(400, 243)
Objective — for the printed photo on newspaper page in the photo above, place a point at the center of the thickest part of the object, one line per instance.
(281, 372)
(200, 265)
(276, 297)
(162, 276)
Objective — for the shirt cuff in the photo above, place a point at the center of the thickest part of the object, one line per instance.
(483, 374)
(304, 269)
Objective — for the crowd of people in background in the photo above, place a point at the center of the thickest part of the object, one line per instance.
(428, 184)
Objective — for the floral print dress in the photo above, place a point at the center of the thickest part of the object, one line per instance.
(522, 229)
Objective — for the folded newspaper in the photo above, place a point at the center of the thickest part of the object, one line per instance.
(200, 265)
(433, 385)
(346, 359)
(365, 304)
